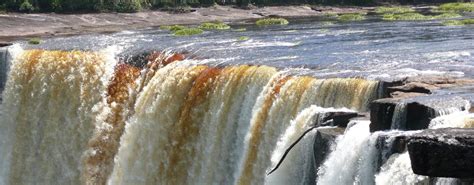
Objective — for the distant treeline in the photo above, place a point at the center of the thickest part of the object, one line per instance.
(65, 6)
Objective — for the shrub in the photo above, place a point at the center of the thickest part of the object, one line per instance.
(128, 7)
(34, 41)
(405, 17)
(188, 32)
(214, 26)
(456, 7)
(393, 9)
(458, 22)
(271, 21)
(26, 7)
(351, 17)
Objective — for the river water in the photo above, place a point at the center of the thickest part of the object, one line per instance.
(79, 116)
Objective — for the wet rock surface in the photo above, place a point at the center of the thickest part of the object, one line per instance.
(323, 140)
(339, 119)
(419, 111)
(443, 153)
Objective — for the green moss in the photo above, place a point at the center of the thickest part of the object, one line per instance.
(172, 28)
(458, 22)
(405, 17)
(243, 38)
(188, 32)
(393, 9)
(214, 26)
(351, 17)
(241, 29)
(271, 21)
(456, 7)
(447, 16)
(34, 41)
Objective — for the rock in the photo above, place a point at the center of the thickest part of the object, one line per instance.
(323, 140)
(416, 87)
(445, 152)
(5, 44)
(340, 119)
(412, 113)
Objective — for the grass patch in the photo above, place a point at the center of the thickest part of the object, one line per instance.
(458, 22)
(188, 32)
(393, 9)
(34, 41)
(456, 7)
(241, 30)
(243, 38)
(214, 26)
(405, 17)
(172, 28)
(447, 16)
(351, 17)
(272, 21)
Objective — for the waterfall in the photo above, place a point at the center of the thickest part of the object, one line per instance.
(301, 167)
(82, 117)
(49, 106)
(352, 160)
(397, 171)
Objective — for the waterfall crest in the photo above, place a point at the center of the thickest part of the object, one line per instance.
(80, 117)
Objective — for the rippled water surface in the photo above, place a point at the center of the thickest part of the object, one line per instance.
(371, 48)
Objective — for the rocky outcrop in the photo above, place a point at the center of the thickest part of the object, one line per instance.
(3, 69)
(339, 119)
(323, 140)
(411, 113)
(443, 153)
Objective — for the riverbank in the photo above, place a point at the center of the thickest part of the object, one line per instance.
(16, 26)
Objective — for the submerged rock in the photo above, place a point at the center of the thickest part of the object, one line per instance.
(443, 153)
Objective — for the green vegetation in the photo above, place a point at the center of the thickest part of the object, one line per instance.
(418, 16)
(26, 7)
(405, 17)
(243, 38)
(351, 17)
(240, 29)
(393, 9)
(188, 32)
(456, 7)
(172, 28)
(458, 22)
(214, 26)
(271, 21)
(34, 41)
(447, 16)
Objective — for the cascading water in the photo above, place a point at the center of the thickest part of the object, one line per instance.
(78, 117)
(49, 106)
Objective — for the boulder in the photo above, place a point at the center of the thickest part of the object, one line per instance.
(445, 152)
(412, 113)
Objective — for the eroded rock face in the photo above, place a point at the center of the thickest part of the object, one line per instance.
(339, 119)
(323, 140)
(412, 113)
(443, 153)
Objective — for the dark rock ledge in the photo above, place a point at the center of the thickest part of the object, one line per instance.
(443, 153)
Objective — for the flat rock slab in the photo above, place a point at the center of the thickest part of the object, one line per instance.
(443, 153)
